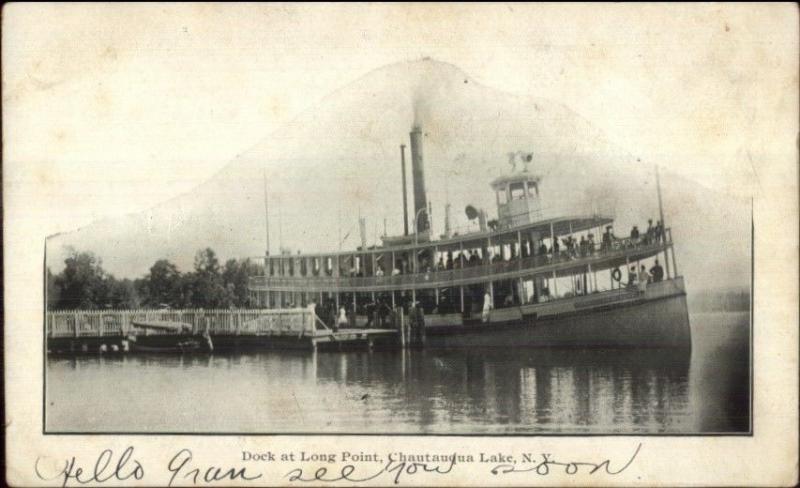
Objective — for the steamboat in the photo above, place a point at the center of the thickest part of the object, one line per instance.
(517, 280)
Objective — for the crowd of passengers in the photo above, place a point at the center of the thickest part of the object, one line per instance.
(378, 311)
(565, 248)
(569, 247)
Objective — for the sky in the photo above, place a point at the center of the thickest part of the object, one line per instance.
(115, 108)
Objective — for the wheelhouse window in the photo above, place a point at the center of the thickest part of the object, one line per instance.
(502, 198)
(517, 190)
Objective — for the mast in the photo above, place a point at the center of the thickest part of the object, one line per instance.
(280, 230)
(663, 223)
(266, 209)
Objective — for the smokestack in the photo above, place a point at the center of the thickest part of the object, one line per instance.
(418, 173)
(405, 192)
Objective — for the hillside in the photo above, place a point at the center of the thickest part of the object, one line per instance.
(341, 158)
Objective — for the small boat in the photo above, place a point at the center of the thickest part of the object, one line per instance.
(162, 336)
(163, 325)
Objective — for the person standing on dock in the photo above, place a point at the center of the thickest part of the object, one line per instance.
(342, 320)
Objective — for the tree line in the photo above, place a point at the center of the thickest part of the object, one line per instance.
(84, 284)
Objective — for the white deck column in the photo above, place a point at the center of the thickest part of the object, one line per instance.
(627, 270)
(588, 281)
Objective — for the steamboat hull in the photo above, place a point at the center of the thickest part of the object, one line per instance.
(661, 323)
(656, 319)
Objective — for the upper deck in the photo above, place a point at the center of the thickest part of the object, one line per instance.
(508, 254)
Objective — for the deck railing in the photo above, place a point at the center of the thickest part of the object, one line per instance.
(618, 248)
(87, 323)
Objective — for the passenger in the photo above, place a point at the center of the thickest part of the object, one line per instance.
(632, 277)
(556, 249)
(635, 234)
(312, 307)
(440, 264)
(474, 260)
(659, 231)
(449, 259)
(395, 271)
(608, 238)
(487, 306)
(369, 309)
(584, 246)
(657, 272)
(382, 311)
(542, 248)
(342, 320)
(330, 315)
(643, 277)
(379, 271)
(590, 245)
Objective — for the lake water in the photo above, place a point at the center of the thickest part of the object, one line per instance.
(425, 391)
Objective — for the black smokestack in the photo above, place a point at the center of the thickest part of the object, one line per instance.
(418, 173)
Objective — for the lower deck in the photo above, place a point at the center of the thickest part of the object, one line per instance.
(628, 317)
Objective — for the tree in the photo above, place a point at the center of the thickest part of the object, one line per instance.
(121, 293)
(205, 286)
(162, 286)
(53, 291)
(82, 284)
(236, 275)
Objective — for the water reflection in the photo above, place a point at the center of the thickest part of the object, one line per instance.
(522, 390)
(413, 391)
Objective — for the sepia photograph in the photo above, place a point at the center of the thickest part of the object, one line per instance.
(446, 221)
(416, 253)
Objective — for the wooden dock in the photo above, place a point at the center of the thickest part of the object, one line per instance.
(85, 331)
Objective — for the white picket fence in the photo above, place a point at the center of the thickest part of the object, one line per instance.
(101, 323)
